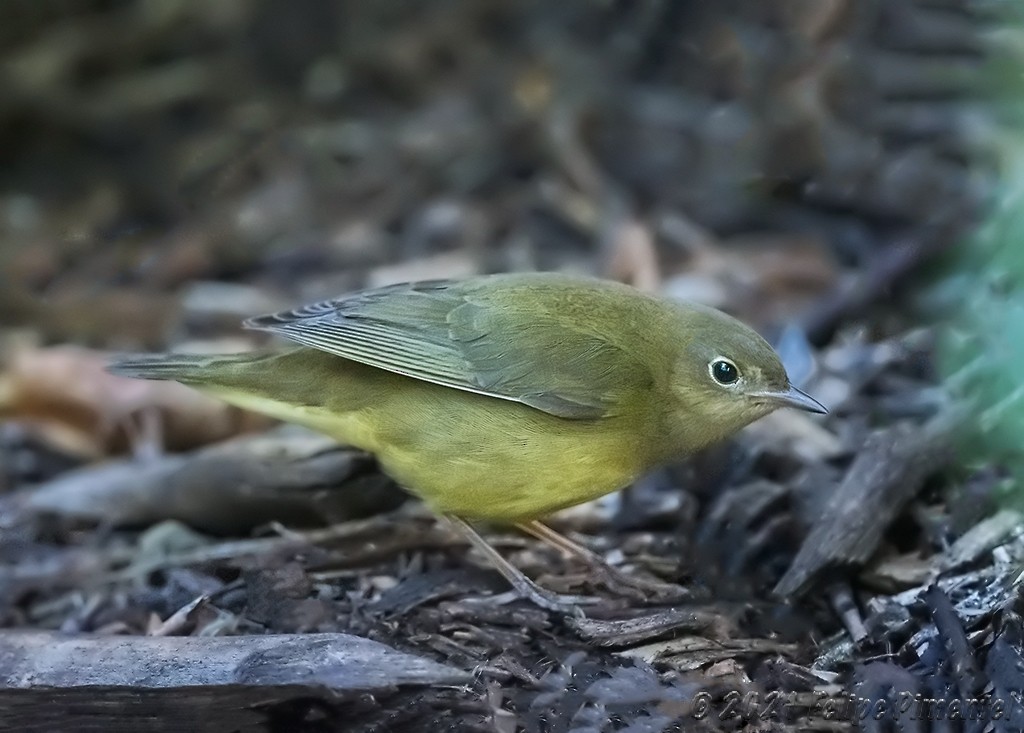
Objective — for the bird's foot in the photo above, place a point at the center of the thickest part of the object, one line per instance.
(566, 604)
(618, 582)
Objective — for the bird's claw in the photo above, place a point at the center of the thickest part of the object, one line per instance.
(568, 605)
(559, 603)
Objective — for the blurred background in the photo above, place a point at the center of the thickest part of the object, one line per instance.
(839, 173)
(168, 168)
(161, 160)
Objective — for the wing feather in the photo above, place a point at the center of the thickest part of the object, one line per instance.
(460, 335)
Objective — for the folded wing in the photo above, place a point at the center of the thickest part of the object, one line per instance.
(478, 339)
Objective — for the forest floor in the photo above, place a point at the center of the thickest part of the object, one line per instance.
(169, 169)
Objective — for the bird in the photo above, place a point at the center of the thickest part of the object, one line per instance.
(503, 398)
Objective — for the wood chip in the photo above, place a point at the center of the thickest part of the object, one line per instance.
(981, 538)
(53, 682)
(693, 652)
(885, 475)
(623, 632)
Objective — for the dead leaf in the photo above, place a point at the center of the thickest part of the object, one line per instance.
(65, 393)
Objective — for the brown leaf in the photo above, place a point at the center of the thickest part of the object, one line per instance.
(65, 393)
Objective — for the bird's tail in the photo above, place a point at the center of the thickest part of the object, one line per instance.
(303, 386)
(187, 368)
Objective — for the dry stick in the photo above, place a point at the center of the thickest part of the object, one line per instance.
(82, 569)
(116, 683)
(234, 549)
(885, 475)
(285, 474)
(705, 620)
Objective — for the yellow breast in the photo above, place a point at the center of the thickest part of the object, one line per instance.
(465, 454)
(478, 457)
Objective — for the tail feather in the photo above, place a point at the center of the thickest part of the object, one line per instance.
(178, 367)
(292, 386)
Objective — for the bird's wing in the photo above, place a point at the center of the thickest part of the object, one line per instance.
(470, 338)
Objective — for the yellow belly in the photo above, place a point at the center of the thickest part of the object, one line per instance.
(481, 458)
(504, 483)
(465, 454)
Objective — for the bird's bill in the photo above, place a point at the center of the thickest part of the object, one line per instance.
(793, 397)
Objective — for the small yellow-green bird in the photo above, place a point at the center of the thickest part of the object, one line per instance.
(504, 397)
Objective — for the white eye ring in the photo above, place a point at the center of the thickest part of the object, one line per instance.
(724, 372)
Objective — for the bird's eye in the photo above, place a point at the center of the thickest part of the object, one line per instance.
(724, 371)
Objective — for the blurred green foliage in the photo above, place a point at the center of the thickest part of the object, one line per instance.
(982, 345)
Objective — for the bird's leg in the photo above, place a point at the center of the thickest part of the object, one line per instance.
(522, 585)
(614, 579)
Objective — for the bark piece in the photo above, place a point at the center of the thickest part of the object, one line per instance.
(54, 682)
(885, 475)
(289, 475)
